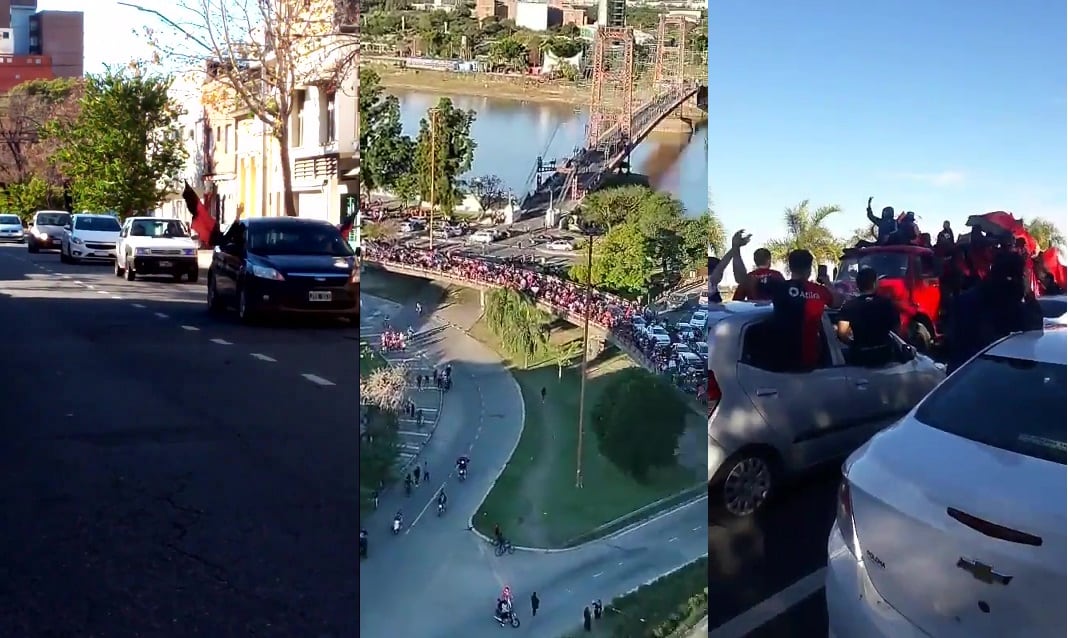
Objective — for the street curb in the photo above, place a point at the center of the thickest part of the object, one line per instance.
(615, 534)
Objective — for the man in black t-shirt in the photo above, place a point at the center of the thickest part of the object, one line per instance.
(866, 321)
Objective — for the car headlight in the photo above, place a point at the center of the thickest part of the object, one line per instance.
(140, 251)
(265, 272)
(40, 233)
(75, 240)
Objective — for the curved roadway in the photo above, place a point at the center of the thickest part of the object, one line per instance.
(438, 578)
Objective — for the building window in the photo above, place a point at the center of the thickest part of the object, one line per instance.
(226, 140)
(331, 117)
(7, 35)
(298, 102)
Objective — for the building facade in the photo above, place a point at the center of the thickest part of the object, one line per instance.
(38, 45)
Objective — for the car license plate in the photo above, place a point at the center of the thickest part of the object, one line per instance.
(320, 296)
(166, 264)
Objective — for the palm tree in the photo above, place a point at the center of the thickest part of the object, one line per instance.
(864, 233)
(805, 231)
(1045, 233)
(509, 54)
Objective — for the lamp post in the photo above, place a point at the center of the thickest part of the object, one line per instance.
(589, 231)
(433, 113)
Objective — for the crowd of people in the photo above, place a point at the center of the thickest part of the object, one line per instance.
(607, 311)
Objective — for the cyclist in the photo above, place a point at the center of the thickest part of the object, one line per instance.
(443, 499)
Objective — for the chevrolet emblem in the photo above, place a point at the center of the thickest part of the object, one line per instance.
(983, 573)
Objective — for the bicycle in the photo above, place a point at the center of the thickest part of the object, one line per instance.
(504, 547)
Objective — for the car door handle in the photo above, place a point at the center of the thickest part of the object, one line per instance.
(767, 392)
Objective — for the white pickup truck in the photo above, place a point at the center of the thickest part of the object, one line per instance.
(155, 246)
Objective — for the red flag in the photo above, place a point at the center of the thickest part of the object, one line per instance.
(1051, 261)
(346, 225)
(203, 223)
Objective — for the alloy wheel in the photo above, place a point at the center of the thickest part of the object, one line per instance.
(747, 485)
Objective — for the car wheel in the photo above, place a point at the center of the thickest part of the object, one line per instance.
(118, 268)
(214, 303)
(63, 258)
(176, 277)
(744, 483)
(130, 274)
(194, 275)
(920, 337)
(32, 246)
(245, 312)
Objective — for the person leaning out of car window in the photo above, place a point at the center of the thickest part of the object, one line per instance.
(865, 323)
(799, 305)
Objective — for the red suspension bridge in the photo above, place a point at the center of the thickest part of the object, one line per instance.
(621, 114)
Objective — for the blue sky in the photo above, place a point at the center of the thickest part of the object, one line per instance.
(947, 108)
(108, 29)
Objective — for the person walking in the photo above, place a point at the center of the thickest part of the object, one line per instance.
(543, 393)
(534, 604)
(416, 474)
(587, 619)
(426, 473)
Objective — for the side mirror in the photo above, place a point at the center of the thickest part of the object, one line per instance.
(67, 227)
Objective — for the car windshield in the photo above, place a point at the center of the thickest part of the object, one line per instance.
(298, 239)
(158, 228)
(885, 264)
(1012, 404)
(1053, 307)
(101, 223)
(52, 219)
(9, 220)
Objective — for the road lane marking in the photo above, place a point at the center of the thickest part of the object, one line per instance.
(138, 305)
(761, 614)
(116, 297)
(78, 282)
(90, 286)
(317, 380)
(411, 433)
(190, 328)
(221, 342)
(263, 357)
(597, 574)
(102, 292)
(432, 501)
(673, 539)
(160, 315)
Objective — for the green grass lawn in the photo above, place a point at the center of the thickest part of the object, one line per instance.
(667, 607)
(535, 500)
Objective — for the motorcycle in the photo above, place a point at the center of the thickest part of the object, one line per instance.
(462, 473)
(396, 526)
(441, 509)
(511, 618)
(363, 548)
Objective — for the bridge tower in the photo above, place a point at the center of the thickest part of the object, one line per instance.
(612, 94)
(670, 65)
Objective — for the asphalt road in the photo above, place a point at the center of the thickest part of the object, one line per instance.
(437, 578)
(166, 472)
(765, 574)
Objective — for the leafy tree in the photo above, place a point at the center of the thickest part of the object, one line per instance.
(443, 154)
(612, 206)
(29, 196)
(864, 233)
(490, 191)
(698, 233)
(385, 152)
(631, 400)
(509, 54)
(407, 188)
(124, 150)
(1045, 233)
(263, 52)
(23, 151)
(521, 327)
(385, 389)
(805, 230)
(621, 262)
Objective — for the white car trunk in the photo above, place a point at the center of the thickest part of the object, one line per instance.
(962, 558)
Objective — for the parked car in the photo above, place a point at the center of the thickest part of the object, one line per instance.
(89, 237)
(151, 246)
(698, 319)
(46, 230)
(11, 229)
(702, 300)
(483, 237)
(660, 335)
(562, 245)
(412, 226)
(952, 522)
(768, 425)
(275, 265)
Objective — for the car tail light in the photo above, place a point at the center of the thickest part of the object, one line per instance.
(714, 393)
(845, 518)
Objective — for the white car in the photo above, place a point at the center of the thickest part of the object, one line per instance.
(412, 226)
(483, 237)
(156, 246)
(951, 523)
(702, 300)
(698, 320)
(688, 359)
(89, 237)
(11, 228)
(562, 245)
(660, 335)
(767, 425)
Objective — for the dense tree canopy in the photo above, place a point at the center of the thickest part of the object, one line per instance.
(444, 150)
(521, 327)
(806, 229)
(123, 152)
(385, 152)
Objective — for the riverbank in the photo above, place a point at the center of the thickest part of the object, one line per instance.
(520, 89)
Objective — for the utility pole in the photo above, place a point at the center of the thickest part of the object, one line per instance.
(585, 354)
(433, 168)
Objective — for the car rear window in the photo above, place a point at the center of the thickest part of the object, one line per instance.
(1012, 404)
